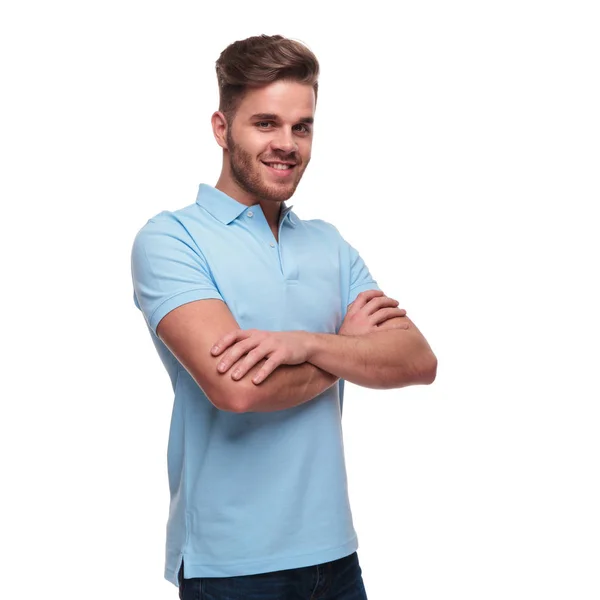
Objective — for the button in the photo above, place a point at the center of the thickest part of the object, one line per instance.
(272, 245)
(250, 213)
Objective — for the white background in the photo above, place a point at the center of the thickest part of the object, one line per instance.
(456, 146)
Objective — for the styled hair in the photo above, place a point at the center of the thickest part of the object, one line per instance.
(258, 61)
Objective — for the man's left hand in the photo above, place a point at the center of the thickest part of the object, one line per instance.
(249, 346)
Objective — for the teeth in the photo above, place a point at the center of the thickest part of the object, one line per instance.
(279, 166)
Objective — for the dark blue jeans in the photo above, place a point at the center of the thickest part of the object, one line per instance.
(336, 580)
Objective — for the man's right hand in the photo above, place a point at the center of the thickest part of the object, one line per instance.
(369, 312)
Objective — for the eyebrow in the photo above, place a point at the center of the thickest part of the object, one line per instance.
(274, 117)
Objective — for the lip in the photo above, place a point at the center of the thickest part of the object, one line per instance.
(283, 173)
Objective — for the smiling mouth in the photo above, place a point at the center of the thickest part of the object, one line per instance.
(279, 166)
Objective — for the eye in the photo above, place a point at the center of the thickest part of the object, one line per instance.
(302, 128)
(263, 124)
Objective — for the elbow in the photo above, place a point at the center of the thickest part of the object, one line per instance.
(421, 372)
(225, 393)
(238, 398)
(428, 370)
(226, 405)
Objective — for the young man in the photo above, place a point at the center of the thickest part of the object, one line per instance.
(259, 317)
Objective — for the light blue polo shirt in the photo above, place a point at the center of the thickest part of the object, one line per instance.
(250, 492)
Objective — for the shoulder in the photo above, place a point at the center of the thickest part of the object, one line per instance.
(168, 236)
(167, 224)
(323, 228)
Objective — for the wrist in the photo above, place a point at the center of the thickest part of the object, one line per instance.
(310, 342)
(318, 344)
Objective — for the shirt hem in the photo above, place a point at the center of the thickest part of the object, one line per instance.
(195, 568)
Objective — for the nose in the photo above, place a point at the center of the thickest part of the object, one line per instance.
(284, 142)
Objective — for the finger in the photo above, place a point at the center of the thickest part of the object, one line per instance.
(384, 314)
(391, 324)
(251, 359)
(229, 338)
(394, 324)
(236, 352)
(272, 363)
(377, 303)
(363, 298)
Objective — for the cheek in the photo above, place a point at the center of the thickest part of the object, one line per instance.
(252, 143)
(305, 159)
(261, 148)
(305, 150)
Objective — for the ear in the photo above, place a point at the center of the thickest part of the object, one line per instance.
(219, 127)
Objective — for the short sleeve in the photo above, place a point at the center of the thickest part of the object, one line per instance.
(361, 279)
(168, 270)
(356, 276)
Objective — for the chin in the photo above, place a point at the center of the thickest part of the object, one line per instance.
(277, 196)
(278, 193)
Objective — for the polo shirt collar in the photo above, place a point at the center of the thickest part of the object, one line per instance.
(225, 208)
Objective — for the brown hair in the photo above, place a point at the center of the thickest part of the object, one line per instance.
(258, 61)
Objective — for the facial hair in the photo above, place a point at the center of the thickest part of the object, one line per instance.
(247, 174)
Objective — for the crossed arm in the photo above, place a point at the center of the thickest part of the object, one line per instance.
(377, 346)
(390, 358)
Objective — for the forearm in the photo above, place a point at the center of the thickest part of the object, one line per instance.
(381, 359)
(287, 386)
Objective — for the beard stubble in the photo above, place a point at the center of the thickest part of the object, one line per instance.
(246, 173)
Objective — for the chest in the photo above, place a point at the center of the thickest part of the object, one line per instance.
(276, 285)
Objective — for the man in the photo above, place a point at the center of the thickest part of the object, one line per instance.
(259, 317)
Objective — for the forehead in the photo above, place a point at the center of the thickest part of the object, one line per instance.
(289, 100)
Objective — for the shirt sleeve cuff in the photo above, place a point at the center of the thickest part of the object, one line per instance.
(179, 299)
(363, 287)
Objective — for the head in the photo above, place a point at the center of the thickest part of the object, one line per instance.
(268, 90)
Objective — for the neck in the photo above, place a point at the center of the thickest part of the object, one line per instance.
(271, 210)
